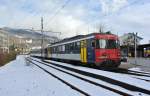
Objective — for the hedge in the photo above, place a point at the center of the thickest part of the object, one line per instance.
(7, 57)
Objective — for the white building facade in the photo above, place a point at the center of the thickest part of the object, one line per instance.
(127, 42)
(4, 41)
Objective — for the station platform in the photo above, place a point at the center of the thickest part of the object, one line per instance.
(142, 64)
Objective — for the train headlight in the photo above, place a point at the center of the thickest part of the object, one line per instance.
(103, 57)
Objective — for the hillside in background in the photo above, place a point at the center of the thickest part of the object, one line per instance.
(23, 33)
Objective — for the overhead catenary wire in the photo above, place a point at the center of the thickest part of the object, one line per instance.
(113, 13)
(13, 16)
(40, 14)
(53, 15)
(35, 12)
(124, 7)
(57, 12)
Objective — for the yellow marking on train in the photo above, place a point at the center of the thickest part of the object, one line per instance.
(81, 55)
(83, 51)
(85, 55)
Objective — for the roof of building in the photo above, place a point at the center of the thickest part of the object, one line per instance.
(144, 45)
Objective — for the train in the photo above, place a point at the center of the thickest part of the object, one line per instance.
(98, 49)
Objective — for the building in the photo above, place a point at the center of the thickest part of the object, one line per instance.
(21, 40)
(9, 42)
(20, 44)
(4, 40)
(127, 42)
(129, 39)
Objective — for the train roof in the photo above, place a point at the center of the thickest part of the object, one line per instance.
(79, 37)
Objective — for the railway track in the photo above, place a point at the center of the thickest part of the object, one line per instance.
(115, 70)
(63, 81)
(86, 80)
(134, 74)
(142, 79)
(99, 77)
(130, 72)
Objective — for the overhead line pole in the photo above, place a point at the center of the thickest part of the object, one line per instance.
(42, 39)
(135, 46)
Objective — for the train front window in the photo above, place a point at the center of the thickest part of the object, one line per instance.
(108, 44)
(102, 43)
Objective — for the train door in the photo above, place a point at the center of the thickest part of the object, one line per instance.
(83, 55)
(91, 50)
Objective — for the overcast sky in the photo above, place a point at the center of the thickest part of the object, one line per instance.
(78, 16)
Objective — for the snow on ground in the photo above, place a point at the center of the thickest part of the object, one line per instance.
(135, 69)
(141, 69)
(85, 86)
(104, 92)
(18, 79)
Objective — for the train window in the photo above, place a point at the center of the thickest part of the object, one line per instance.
(93, 43)
(109, 44)
(56, 49)
(112, 44)
(53, 50)
(117, 44)
(67, 48)
(59, 48)
(71, 46)
(101, 43)
(76, 47)
(78, 43)
(63, 48)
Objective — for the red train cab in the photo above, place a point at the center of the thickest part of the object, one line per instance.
(107, 50)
